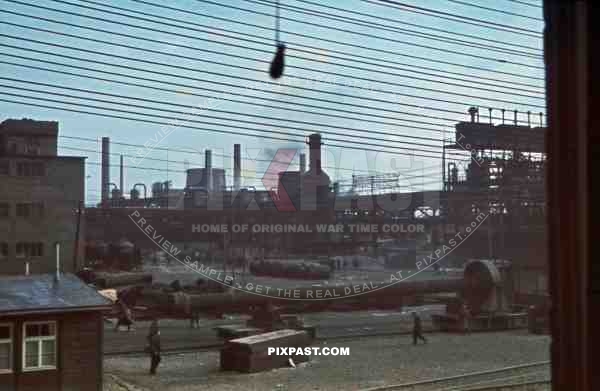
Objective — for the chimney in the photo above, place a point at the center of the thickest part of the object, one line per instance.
(314, 142)
(472, 111)
(105, 168)
(121, 180)
(208, 169)
(57, 247)
(302, 163)
(237, 167)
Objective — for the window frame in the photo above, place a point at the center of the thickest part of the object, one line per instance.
(39, 340)
(10, 341)
(28, 247)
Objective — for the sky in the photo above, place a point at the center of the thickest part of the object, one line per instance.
(351, 74)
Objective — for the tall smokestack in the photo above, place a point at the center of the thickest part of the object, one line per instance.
(314, 142)
(237, 166)
(302, 163)
(208, 169)
(57, 252)
(121, 180)
(105, 168)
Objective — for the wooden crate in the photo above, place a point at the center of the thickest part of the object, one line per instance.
(250, 354)
(234, 331)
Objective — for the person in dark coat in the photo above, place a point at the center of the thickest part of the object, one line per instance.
(417, 329)
(125, 316)
(154, 346)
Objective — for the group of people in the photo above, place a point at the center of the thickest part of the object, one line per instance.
(125, 318)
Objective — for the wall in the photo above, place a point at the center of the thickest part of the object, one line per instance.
(79, 355)
(60, 190)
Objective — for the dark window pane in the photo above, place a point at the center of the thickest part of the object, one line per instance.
(32, 330)
(5, 332)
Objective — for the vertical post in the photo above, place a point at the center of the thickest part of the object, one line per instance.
(79, 212)
(57, 252)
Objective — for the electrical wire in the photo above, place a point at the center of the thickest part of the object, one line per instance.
(450, 32)
(320, 125)
(183, 125)
(268, 131)
(293, 76)
(387, 39)
(493, 10)
(458, 18)
(259, 81)
(511, 88)
(212, 30)
(196, 94)
(359, 22)
(525, 3)
(266, 174)
(295, 109)
(181, 150)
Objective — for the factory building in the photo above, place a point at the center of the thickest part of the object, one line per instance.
(40, 199)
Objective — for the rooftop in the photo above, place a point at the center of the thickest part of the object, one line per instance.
(42, 293)
(28, 126)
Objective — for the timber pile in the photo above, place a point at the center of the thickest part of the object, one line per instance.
(110, 280)
(250, 354)
(297, 270)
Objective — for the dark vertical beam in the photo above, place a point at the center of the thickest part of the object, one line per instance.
(105, 169)
(575, 293)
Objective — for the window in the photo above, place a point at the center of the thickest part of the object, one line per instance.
(4, 167)
(35, 209)
(4, 209)
(39, 345)
(6, 347)
(3, 250)
(30, 169)
(29, 249)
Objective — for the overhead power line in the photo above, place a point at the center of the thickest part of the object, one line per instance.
(213, 31)
(289, 66)
(350, 31)
(450, 32)
(266, 174)
(383, 27)
(187, 91)
(525, 3)
(259, 81)
(465, 3)
(363, 135)
(164, 117)
(511, 89)
(180, 149)
(457, 18)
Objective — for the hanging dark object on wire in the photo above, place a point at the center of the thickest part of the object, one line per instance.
(276, 68)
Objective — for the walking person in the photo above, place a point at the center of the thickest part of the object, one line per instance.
(465, 315)
(125, 317)
(154, 346)
(417, 329)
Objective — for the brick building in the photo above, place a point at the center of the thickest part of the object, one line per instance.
(51, 333)
(39, 195)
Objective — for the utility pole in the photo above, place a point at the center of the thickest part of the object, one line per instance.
(79, 212)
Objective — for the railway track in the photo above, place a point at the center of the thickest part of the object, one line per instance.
(526, 376)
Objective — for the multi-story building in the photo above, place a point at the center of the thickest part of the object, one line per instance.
(40, 196)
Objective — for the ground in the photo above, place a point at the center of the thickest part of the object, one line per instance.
(373, 361)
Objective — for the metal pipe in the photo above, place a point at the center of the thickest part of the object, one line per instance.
(57, 248)
(304, 295)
